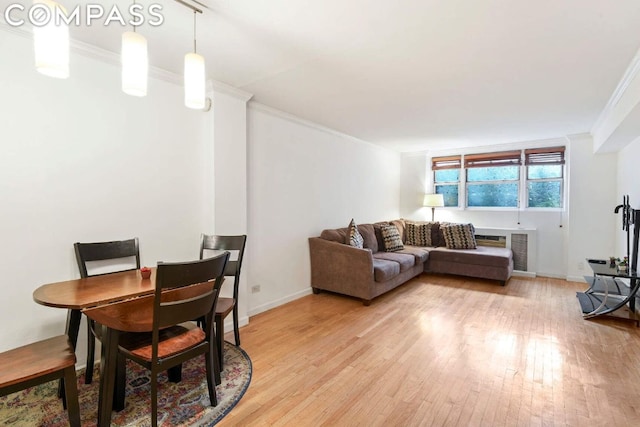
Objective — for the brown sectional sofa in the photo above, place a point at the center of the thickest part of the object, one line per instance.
(367, 273)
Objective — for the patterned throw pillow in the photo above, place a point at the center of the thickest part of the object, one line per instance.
(419, 233)
(459, 236)
(391, 238)
(355, 238)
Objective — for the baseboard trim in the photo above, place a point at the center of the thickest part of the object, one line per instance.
(520, 273)
(273, 304)
(576, 279)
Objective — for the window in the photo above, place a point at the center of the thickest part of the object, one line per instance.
(446, 172)
(533, 178)
(493, 179)
(544, 177)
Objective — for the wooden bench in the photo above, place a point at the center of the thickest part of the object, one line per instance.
(39, 363)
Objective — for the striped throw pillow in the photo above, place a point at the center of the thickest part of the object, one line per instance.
(459, 236)
(355, 238)
(391, 238)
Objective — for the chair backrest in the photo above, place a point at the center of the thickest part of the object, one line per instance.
(101, 251)
(187, 291)
(226, 243)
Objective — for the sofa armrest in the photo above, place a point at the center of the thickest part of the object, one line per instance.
(341, 268)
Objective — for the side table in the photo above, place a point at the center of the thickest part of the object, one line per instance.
(608, 295)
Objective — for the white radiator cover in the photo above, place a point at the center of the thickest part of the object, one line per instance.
(522, 241)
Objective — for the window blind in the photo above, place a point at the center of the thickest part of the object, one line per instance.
(448, 162)
(483, 160)
(544, 156)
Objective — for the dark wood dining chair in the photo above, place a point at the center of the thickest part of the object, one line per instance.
(41, 362)
(226, 305)
(157, 331)
(103, 251)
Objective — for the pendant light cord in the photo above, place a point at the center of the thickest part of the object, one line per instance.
(194, 31)
(134, 25)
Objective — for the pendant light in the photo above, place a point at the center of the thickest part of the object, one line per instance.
(194, 75)
(51, 42)
(135, 63)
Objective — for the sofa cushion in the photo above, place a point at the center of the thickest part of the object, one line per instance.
(391, 237)
(437, 238)
(400, 225)
(420, 254)
(369, 236)
(335, 235)
(406, 261)
(355, 238)
(377, 229)
(483, 255)
(384, 270)
(419, 233)
(459, 236)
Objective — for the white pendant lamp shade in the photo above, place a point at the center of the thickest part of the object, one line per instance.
(135, 64)
(51, 43)
(194, 81)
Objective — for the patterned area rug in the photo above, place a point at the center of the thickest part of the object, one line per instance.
(182, 404)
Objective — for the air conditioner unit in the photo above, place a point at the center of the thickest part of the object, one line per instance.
(522, 241)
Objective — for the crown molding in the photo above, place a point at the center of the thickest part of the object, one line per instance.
(257, 106)
(630, 74)
(618, 123)
(221, 87)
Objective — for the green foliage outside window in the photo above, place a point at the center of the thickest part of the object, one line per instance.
(450, 178)
(544, 194)
(493, 195)
(449, 193)
(494, 173)
(544, 187)
(493, 191)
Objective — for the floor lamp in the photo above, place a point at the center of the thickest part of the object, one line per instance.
(433, 201)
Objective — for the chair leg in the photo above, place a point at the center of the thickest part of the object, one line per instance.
(71, 396)
(91, 353)
(236, 327)
(121, 384)
(212, 373)
(154, 399)
(175, 373)
(220, 339)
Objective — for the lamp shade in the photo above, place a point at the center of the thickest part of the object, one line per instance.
(194, 81)
(433, 200)
(51, 43)
(135, 64)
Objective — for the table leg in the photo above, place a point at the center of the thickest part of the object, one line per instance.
(108, 361)
(71, 329)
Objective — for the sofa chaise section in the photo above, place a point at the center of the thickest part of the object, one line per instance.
(484, 262)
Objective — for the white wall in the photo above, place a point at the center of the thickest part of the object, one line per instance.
(303, 179)
(628, 181)
(230, 183)
(564, 239)
(81, 161)
(592, 199)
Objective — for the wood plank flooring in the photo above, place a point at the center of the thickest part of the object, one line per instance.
(442, 351)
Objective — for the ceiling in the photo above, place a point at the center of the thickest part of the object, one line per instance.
(405, 74)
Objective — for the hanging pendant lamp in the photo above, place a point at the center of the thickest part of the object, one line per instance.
(194, 76)
(135, 63)
(51, 42)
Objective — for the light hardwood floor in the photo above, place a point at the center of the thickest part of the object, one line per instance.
(442, 350)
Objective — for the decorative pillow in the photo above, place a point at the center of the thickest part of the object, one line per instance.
(459, 236)
(437, 238)
(378, 232)
(354, 237)
(391, 238)
(419, 233)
